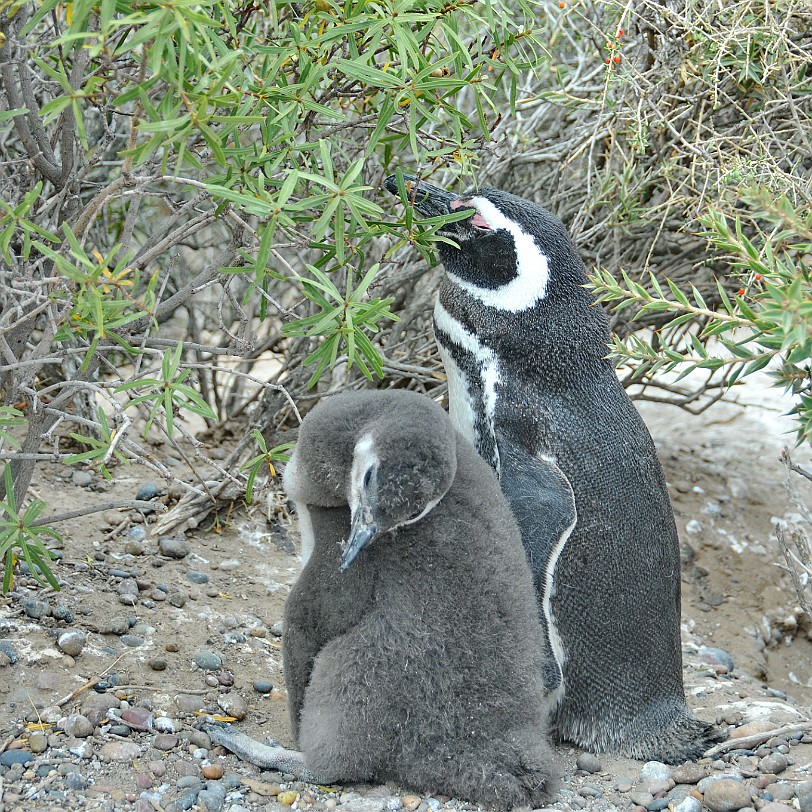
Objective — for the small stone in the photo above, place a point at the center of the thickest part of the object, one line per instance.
(197, 577)
(163, 724)
(689, 804)
(132, 640)
(174, 546)
(81, 748)
(288, 798)
(119, 751)
(137, 718)
(38, 742)
(157, 663)
(78, 726)
(781, 791)
(178, 598)
(774, 763)
(278, 628)
(71, 642)
(655, 771)
(157, 768)
(143, 780)
(8, 653)
(114, 625)
(36, 609)
(120, 730)
(262, 686)
(716, 657)
(774, 806)
(752, 728)
(208, 660)
(189, 703)
(82, 478)
(10, 757)
(172, 647)
(726, 795)
(233, 705)
(230, 565)
(61, 612)
(165, 741)
(410, 802)
(641, 798)
(585, 761)
(149, 490)
(689, 773)
(212, 771)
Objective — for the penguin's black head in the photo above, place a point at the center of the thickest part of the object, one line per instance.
(508, 248)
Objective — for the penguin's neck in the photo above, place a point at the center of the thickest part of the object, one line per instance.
(490, 356)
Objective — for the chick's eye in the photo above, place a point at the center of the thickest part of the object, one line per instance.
(367, 477)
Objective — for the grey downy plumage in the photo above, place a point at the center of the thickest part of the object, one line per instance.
(412, 652)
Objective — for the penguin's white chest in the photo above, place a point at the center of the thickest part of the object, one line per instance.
(473, 373)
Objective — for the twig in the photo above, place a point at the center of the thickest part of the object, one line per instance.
(124, 504)
(746, 742)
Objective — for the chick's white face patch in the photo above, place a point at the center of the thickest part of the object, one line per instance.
(529, 286)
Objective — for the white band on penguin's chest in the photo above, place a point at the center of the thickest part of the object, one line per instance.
(529, 286)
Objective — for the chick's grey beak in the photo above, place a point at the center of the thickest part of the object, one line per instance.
(362, 531)
(428, 200)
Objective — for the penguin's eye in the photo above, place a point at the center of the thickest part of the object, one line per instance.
(367, 477)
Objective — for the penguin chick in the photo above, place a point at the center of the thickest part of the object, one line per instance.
(524, 347)
(412, 651)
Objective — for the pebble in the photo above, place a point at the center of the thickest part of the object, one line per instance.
(81, 748)
(233, 705)
(61, 612)
(189, 703)
(10, 757)
(157, 663)
(163, 724)
(132, 640)
(288, 797)
(82, 478)
(8, 650)
(149, 490)
(689, 773)
(36, 609)
(264, 687)
(165, 741)
(208, 660)
(137, 718)
(71, 642)
(212, 771)
(726, 795)
(585, 761)
(119, 751)
(197, 577)
(716, 657)
(38, 742)
(655, 771)
(689, 804)
(230, 565)
(174, 546)
(774, 763)
(78, 726)
(782, 791)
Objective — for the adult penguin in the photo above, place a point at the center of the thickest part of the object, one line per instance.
(412, 652)
(524, 347)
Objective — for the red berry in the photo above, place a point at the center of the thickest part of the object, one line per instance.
(742, 291)
(620, 32)
(562, 4)
(608, 60)
(617, 59)
(758, 277)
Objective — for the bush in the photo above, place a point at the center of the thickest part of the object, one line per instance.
(188, 183)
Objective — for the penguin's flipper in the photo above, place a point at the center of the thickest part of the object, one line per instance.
(543, 503)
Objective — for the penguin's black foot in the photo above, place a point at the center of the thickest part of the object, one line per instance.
(648, 738)
(686, 739)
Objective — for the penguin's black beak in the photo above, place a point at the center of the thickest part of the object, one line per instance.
(364, 528)
(428, 200)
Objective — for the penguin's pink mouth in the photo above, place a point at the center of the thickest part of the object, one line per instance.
(477, 221)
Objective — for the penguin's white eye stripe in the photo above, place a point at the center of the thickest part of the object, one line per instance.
(529, 286)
